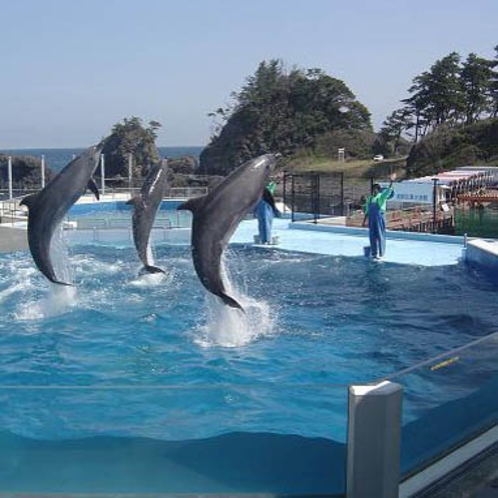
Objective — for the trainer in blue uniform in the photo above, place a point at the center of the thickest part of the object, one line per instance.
(375, 209)
(264, 211)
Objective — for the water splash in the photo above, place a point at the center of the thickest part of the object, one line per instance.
(59, 301)
(229, 327)
(151, 279)
(60, 298)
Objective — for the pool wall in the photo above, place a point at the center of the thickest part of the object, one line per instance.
(483, 253)
(90, 207)
(392, 235)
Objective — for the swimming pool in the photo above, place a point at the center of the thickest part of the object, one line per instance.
(127, 358)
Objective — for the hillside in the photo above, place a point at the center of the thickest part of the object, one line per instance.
(449, 148)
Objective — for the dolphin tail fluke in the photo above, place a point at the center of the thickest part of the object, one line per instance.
(58, 282)
(231, 302)
(152, 269)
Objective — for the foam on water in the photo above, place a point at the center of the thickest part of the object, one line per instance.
(151, 280)
(230, 327)
(60, 298)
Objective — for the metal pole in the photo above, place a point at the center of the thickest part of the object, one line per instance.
(434, 205)
(10, 176)
(130, 171)
(42, 171)
(374, 434)
(102, 173)
(284, 190)
(293, 193)
(342, 193)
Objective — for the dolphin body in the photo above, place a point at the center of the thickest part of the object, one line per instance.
(48, 207)
(145, 207)
(217, 215)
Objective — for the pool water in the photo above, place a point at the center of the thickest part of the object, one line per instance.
(156, 357)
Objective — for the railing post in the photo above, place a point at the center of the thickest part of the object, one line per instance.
(293, 195)
(102, 173)
(130, 171)
(434, 205)
(9, 166)
(342, 193)
(374, 427)
(42, 171)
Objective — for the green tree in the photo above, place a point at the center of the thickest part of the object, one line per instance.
(280, 111)
(394, 127)
(418, 106)
(493, 86)
(446, 99)
(130, 137)
(476, 78)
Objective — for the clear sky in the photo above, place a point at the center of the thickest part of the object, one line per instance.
(70, 69)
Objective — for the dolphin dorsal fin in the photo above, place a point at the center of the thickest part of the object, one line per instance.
(134, 201)
(192, 205)
(29, 200)
(92, 186)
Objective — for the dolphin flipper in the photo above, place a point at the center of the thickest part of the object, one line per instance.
(92, 186)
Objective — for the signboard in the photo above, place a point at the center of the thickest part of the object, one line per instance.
(415, 193)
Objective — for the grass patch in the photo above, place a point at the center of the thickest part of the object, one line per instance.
(352, 168)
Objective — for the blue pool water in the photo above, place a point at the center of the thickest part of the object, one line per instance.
(314, 324)
(136, 385)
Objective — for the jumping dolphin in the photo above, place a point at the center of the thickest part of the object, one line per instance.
(145, 207)
(217, 215)
(48, 207)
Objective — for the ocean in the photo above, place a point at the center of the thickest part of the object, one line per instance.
(56, 159)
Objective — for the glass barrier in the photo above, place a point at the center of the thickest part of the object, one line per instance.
(447, 401)
(205, 440)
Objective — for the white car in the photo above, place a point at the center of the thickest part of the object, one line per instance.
(379, 157)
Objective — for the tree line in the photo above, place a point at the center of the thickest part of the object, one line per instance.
(280, 109)
(453, 92)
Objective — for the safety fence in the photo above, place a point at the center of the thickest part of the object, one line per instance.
(477, 221)
(314, 196)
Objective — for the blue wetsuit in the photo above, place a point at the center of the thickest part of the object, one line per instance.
(265, 211)
(375, 208)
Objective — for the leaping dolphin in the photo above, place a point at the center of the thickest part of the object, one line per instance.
(48, 207)
(217, 215)
(145, 207)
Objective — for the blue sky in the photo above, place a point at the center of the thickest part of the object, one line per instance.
(71, 69)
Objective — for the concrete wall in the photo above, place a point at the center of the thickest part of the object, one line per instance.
(483, 253)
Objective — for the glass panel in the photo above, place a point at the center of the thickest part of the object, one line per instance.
(207, 440)
(447, 401)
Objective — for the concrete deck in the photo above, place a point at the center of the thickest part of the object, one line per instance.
(419, 249)
(13, 239)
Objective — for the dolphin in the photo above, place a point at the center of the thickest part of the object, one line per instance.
(217, 215)
(48, 207)
(145, 207)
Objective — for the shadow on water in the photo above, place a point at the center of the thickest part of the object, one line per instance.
(236, 463)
